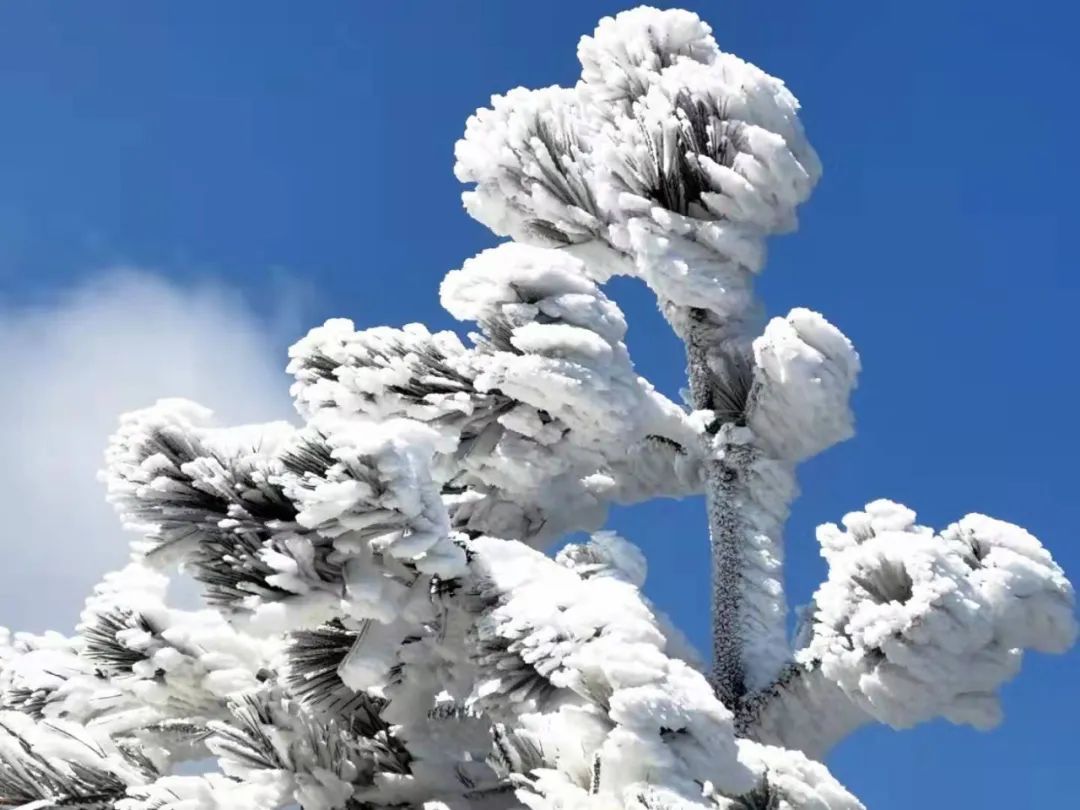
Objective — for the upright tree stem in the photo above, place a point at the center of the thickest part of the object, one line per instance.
(747, 494)
(723, 477)
(728, 675)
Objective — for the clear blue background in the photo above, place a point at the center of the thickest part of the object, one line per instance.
(249, 140)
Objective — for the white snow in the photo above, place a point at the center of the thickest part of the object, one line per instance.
(383, 627)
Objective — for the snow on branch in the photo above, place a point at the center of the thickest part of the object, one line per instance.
(291, 529)
(804, 371)
(583, 423)
(552, 340)
(578, 666)
(177, 663)
(210, 792)
(625, 53)
(137, 671)
(54, 763)
(328, 763)
(310, 673)
(384, 373)
(670, 160)
(540, 424)
(199, 496)
(911, 625)
(35, 672)
(528, 158)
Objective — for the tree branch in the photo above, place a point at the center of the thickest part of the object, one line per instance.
(801, 709)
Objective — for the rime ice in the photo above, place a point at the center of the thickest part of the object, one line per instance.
(383, 625)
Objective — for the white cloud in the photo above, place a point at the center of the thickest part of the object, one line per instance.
(115, 344)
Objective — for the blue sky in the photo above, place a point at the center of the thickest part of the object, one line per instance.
(260, 166)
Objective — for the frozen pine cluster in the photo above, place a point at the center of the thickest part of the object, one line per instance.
(384, 626)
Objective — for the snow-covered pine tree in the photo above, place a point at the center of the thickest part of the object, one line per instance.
(383, 627)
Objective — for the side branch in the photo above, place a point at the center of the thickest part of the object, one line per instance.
(801, 709)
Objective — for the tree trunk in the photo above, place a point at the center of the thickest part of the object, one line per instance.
(747, 497)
